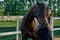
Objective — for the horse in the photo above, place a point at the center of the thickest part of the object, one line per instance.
(32, 21)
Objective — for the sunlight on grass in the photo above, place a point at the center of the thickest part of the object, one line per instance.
(57, 23)
(7, 24)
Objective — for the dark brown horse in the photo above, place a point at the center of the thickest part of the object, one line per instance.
(32, 21)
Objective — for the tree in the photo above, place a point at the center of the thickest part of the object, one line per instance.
(10, 7)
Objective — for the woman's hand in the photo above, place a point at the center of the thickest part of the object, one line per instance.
(46, 19)
(48, 25)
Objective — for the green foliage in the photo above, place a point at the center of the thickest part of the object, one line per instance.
(10, 8)
(20, 7)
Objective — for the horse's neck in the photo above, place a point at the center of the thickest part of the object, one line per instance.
(29, 21)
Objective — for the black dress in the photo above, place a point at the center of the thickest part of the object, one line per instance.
(44, 33)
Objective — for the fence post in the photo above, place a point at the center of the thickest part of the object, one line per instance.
(52, 30)
(17, 37)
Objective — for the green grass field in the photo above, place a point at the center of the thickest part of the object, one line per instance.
(7, 26)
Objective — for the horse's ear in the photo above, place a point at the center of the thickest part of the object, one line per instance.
(37, 2)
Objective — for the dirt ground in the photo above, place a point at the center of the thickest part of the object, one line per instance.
(56, 39)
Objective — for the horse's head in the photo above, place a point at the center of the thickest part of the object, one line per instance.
(40, 10)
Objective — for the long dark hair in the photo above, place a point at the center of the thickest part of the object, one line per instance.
(49, 8)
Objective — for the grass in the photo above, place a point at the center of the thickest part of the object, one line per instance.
(7, 26)
(57, 33)
(56, 23)
(7, 23)
(10, 37)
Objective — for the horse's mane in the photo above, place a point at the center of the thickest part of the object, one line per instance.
(29, 16)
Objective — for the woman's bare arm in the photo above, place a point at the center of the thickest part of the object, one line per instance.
(49, 25)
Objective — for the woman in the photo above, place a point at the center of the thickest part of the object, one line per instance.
(45, 33)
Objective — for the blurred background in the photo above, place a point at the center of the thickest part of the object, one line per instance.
(12, 12)
(20, 7)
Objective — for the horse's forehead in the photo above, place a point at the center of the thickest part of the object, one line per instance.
(41, 6)
(35, 7)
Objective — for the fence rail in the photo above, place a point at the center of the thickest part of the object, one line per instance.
(10, 17)
(9, 33)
